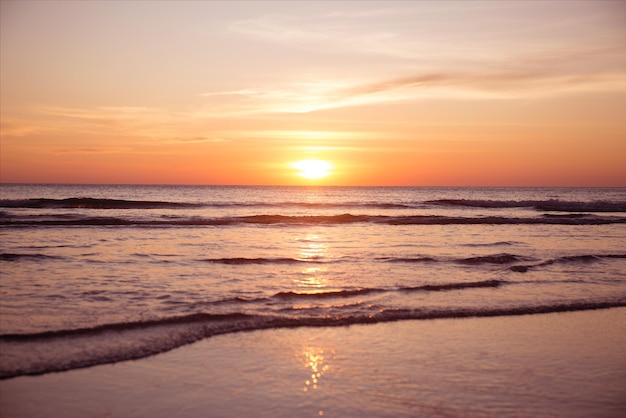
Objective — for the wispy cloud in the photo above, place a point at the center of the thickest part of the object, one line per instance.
(14, 128)
(94, 151)
(426, 33)
(516, 82)
(142, 123)
(331, 33)
(519, 54)
(201, 139)
(497, 84)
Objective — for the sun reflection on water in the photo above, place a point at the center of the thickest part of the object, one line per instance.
(316, 365)
(314, 251)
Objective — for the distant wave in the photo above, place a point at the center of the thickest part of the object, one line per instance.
(544, 205)
(29, 256)
(551, 205)
(45, 352)
(503, 258)
(506, 258)
(353, 293)
(455, 286)
(259, 260)
(357, 293)
(345, 218)
(98, 203)
(80, 220)
(91, 203)
(327, 294)
(585, 258)
(495, 204)
(495, 259)
(491, 244)
(559, 206)
(501, 220)
(408, 259)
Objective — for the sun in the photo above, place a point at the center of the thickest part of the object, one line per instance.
(312, 169)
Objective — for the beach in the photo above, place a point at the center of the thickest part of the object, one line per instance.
(560, 364)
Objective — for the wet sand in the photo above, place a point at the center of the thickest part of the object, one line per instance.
(563, 364)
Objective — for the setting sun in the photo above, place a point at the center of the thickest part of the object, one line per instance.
(312, 169)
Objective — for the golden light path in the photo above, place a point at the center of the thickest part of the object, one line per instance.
(312, 169)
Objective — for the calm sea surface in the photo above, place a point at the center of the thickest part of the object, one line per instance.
(100, 274)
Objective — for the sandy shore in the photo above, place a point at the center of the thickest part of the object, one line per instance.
(565, 364)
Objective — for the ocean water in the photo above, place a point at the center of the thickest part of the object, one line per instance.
(93, 274)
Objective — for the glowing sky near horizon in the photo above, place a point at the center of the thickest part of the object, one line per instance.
(389, 93)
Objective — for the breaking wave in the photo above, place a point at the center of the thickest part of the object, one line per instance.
(343, 219)
(92, 203)
(45, 352)
(585, 258)
(491, 244)
(408, 259)
(542, 205)
(16, 257)
(493, 259)
(96, 203)
(489, 259)
(259, 260)
(551, 205)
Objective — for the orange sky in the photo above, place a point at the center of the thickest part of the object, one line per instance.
(392, 93)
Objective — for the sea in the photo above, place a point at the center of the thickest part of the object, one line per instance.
(95, 274)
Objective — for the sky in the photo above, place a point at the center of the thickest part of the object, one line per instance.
(445, 93)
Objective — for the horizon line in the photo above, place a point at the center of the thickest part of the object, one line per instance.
(308, 185)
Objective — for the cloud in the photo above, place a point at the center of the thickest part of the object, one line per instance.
(245, 92)
(497, 84)
(341, 32)
(518, 82)
(148, 124)
(539, 73)
(94, 151)
(201, 139)
(555, 57)
(14, 128)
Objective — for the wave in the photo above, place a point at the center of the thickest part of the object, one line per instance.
(368, 291)
(92, 203)
(584, 258)
(98, 203)
(353, 293)
(560, 206)
(496, 259)
(260, 260)
(491, 244)
(455, 286)
(551, 205)
(15, 257)
(500, 258)
(343, 219)
(501, 220)
(408, 259)
(488, 204)
(328, 294)
(506, 258)
(503, 258)
(543, 205)
(45, 352)
(346, 293)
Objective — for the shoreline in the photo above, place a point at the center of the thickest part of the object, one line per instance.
(555, 364)
(51, 352)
